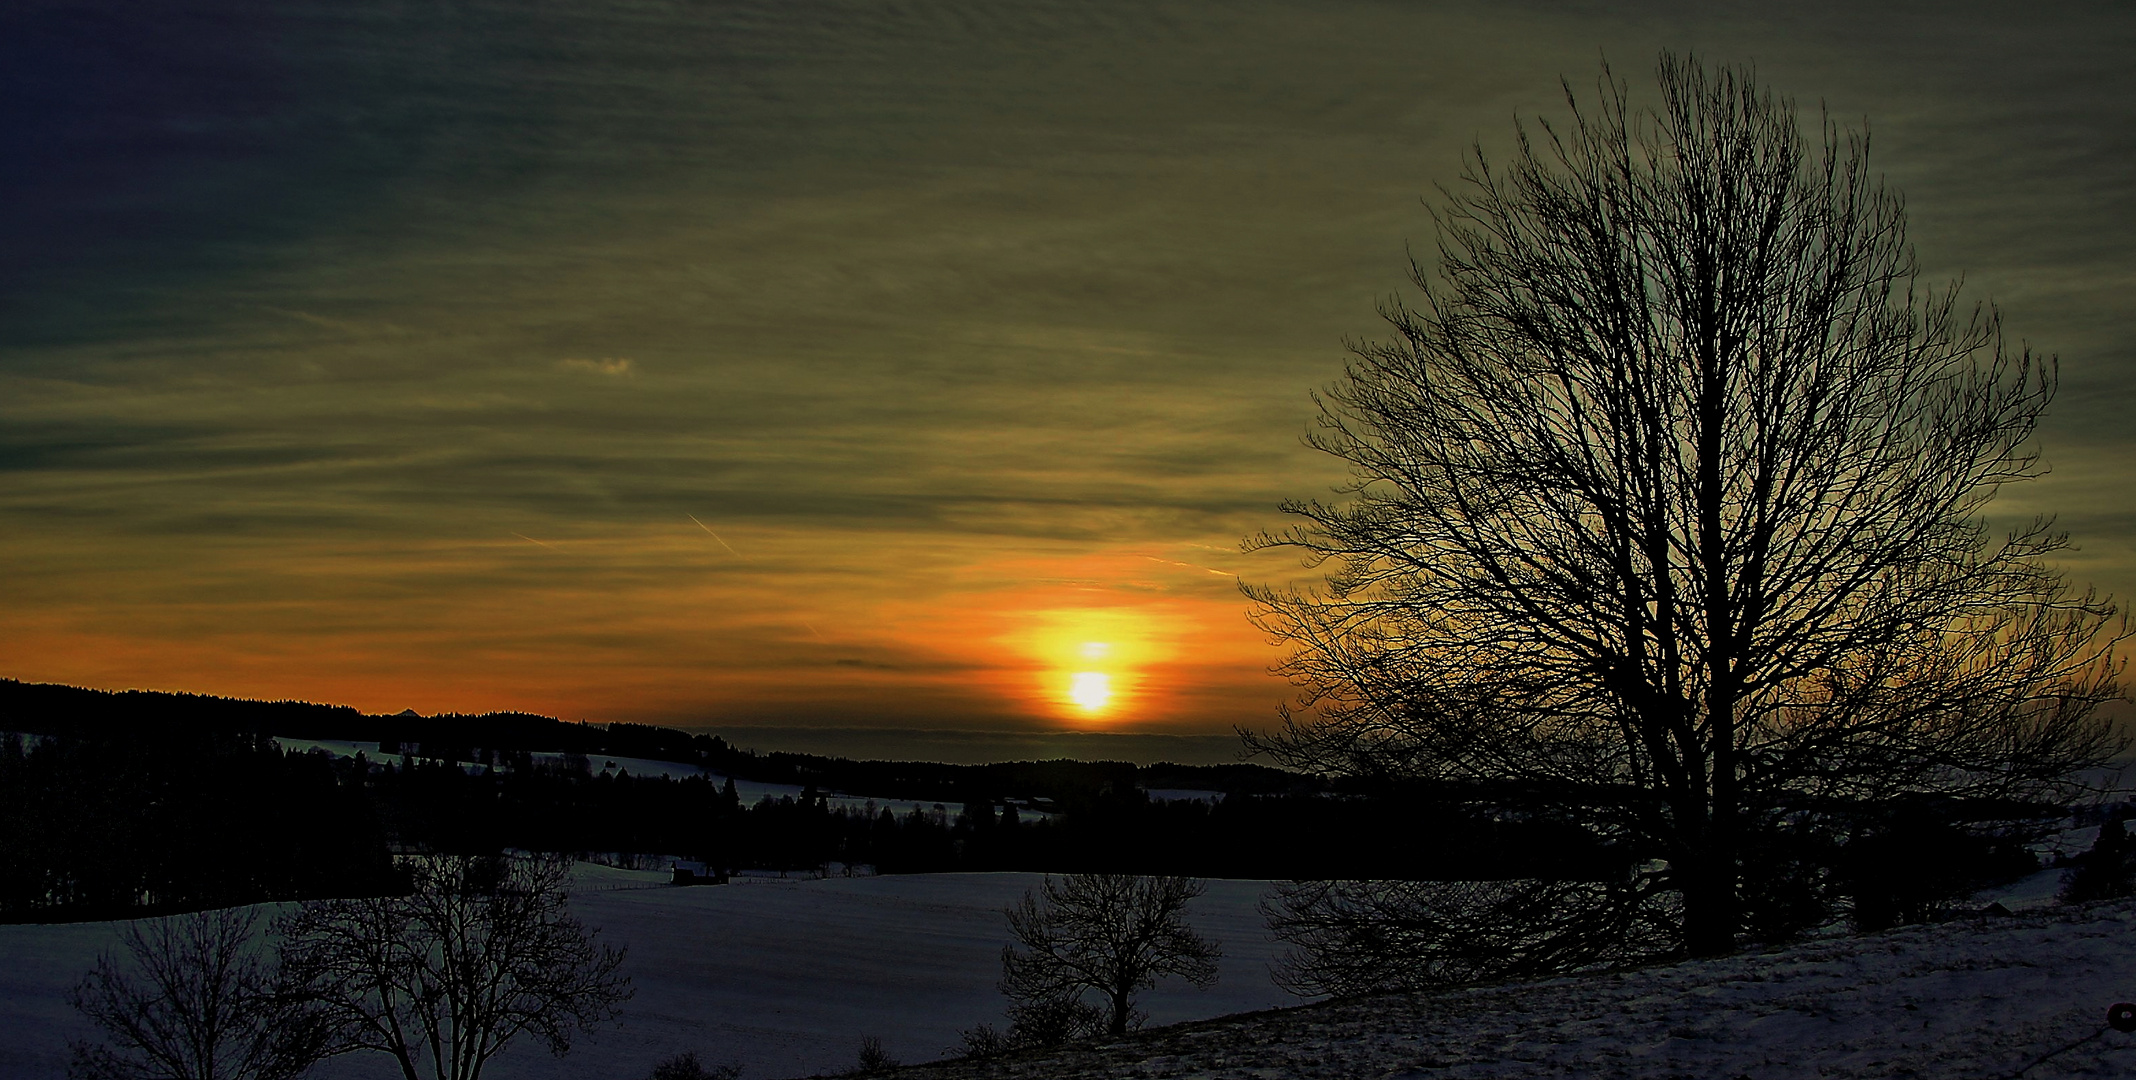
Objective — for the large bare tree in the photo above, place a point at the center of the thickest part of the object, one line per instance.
(1671, 492)
(200, 1001)
(478, 952)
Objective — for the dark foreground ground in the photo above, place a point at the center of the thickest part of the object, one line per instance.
(1982, 997)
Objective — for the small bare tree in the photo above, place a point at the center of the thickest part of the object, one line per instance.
(873, 1058)
(198, 1002)
(1111, 934)
(1668, 500)
(479, 952)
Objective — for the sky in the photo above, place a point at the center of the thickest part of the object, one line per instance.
(877, 367)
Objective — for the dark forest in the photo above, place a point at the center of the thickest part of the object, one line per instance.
(135, 802)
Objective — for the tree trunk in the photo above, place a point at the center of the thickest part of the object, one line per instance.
(1711, 906)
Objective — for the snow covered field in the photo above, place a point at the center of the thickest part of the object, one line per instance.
(786, 977)
(750, 791)
(783, 977)
(1977, 999)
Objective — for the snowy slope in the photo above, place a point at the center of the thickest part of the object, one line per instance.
(784, 977)
(1981, 998)
(750, 791)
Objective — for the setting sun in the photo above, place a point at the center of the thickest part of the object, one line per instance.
(1103, 643)
(1091, 690)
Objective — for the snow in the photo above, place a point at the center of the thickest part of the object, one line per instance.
(2031, 891)
(1981, 997)
(786, 976)
(334, 747)
(749, 791)
(1185, 795)
(782, 976)
(635, 766)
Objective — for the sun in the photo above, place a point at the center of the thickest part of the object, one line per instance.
(1090, 690)
(1090, 666)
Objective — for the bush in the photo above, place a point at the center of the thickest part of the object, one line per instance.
(1914, 866)
(873, 1058)
(685, 1066)
(2106, 872)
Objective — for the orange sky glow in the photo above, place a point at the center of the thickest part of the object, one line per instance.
(803, 366)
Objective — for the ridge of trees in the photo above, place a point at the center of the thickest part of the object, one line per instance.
(117, 826)
(55, 709)
(123, 816)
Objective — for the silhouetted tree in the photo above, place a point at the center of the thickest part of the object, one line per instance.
(197, 1002)
(686, 1066)
(2106, 872)
(1362, 937)
(1914, 862)
(873, 1058)
(1112, 934)
(479, 952)
(1669, 497)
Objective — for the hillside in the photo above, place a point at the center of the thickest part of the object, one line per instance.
(52, 709)
(784, 978)
(129, 803)
(1981, 998)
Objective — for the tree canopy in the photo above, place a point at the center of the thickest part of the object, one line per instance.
(480, 951)
(1670, 493)
(1113, 935)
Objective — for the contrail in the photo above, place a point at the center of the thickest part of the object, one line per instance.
(531, 540)
(1188, 565)
(716, 536)
(730, 550)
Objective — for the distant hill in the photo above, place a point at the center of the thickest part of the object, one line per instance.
(53, 709)
(120, 804)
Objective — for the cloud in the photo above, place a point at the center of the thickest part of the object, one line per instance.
(612, 366)
(919, 311)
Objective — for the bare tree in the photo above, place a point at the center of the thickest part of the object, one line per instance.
(1669, 496)
(197, 1003)
(479, 952)
(1112, 934)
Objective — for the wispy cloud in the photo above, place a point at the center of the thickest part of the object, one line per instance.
(614, 367)
(940, 316)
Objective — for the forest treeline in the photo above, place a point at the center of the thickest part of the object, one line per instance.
(49, 709)
(116, 804)
(98, 827)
